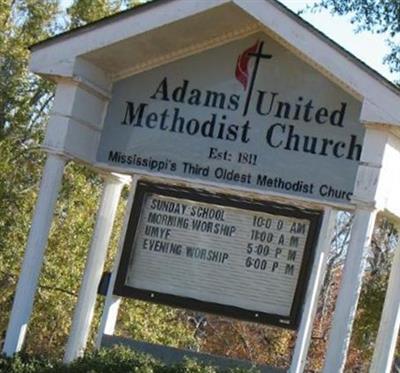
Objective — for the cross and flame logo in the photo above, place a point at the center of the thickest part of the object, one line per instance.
(242, 68)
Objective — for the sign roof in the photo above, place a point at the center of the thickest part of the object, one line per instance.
(161, 31)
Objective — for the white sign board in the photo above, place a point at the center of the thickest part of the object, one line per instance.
(219, 254)
(247, 114)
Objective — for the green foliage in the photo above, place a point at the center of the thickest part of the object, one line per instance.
(380, 16)
(65, 258)
(370, 308)
(372, 15)
(24, 97)
(114, 360)
(384, 241)
(24, 100)
(156, 324)
(83, 12)
(24, 105)
(20, 170)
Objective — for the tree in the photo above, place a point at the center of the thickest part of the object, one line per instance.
(382, 17)
(24, 97)
(24, 105)
(378, 16)
(82, 12)
(384, 241)
(25, 101)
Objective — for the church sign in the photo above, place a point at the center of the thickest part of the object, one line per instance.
(217, 253)
(248, 114)
(242, 131)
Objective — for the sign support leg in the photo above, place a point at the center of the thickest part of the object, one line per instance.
(83, 313)
(385, 344)
(34, 254)
(304, 334)
(112, 302)
(346, 304)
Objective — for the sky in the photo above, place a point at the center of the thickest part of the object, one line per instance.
(368, 47)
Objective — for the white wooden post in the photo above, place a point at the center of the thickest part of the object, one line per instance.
(84, 309)
(34, 253)
(346, 304)
(385, 344)
(112, 302)
(299, 358)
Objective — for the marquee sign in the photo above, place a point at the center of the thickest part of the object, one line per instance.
(248, 114)
(216, 253)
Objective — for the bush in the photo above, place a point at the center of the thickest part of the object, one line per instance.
(113, 360)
